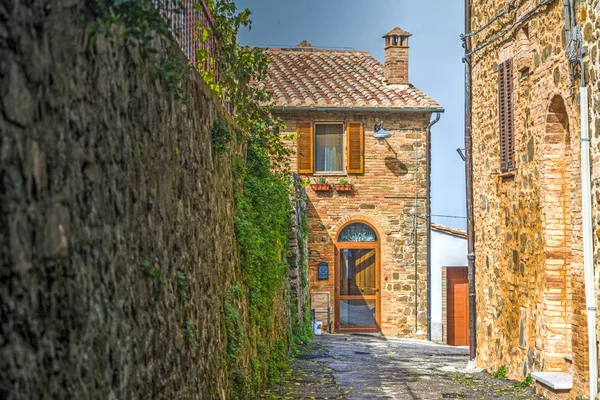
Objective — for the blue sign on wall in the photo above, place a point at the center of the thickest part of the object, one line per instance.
(323, 270)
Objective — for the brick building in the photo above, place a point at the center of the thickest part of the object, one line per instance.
(531, 309)
(368, 238)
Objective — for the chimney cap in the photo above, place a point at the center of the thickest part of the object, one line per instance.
(304, 45)
(397, 32)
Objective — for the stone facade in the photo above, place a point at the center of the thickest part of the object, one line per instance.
(383, 197)
(589, 22)
(117, 244)
(528, 239)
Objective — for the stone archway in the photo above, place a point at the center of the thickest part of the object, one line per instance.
(556, 195)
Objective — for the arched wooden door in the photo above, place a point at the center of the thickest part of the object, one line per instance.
(357, 279)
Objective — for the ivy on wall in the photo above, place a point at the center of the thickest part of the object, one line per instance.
(261, 325)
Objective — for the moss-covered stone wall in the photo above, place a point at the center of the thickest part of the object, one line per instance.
(119, 261)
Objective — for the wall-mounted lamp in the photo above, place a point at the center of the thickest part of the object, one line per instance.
(461, 154)
(380, 133)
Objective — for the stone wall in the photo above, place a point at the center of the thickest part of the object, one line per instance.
(384, 197)
(298, 275)
(117, 244)
(527, 222)
(588, 17)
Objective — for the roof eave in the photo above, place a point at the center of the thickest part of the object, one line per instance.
(367, 109)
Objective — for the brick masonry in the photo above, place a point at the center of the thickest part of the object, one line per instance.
(384, 197)
(588, 15)
(396, 64)
(527, 223)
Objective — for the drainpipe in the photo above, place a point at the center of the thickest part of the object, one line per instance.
(566, 11)
(588, 245)
(428, 180)
(469, 187)
(586, 199)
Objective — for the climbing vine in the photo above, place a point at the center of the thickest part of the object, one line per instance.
(262, 224)
(254, 306)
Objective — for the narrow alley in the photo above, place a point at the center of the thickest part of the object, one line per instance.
(357, 367)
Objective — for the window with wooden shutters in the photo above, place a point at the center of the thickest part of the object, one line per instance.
(354, 148)
(505, 112)
(305, 147)
(329, 147)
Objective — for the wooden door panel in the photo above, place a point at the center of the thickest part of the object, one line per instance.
(357, 304)
(458, 306)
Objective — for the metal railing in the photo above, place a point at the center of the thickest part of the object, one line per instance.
(192, 25)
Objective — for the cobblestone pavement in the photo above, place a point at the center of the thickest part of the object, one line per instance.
(356, 367)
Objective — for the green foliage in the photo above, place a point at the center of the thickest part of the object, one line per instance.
(262, 187)
(221, 137)
(233, 324)
(238, 67)
(320, 180)
(140, 19)
(171, 71)
(190, 335)
(152, 271)
(262, 226)
(183, 284)
(141, 24)
(501, 373)
(278, 364)
(528, 381)
(343, 181)
(302, 330)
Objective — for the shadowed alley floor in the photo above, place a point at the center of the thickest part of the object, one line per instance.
(372, 367)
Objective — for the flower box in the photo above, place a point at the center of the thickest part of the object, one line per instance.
(343, 188)
(321, 187)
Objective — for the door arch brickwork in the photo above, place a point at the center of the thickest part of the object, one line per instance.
(557, 228)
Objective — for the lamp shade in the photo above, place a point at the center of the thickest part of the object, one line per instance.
(381, 134)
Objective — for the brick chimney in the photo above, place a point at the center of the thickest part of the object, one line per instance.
(396, 57)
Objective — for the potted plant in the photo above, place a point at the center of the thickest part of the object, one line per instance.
(343, 186)
(321, 185)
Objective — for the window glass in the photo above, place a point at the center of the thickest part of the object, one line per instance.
(357, 232)
(329, 143)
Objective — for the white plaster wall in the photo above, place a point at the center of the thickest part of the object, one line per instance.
(446, 251)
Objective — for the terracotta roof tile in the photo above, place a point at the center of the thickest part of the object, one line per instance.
(309, 77)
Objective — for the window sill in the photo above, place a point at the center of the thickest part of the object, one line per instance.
(338, 173)
(506, 176)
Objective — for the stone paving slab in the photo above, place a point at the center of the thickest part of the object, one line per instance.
(357, 367)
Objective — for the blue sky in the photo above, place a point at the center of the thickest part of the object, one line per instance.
(435, 63)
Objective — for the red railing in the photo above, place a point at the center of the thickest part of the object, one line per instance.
(188, 21)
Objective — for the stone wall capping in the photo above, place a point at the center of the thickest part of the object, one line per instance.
(554, 380)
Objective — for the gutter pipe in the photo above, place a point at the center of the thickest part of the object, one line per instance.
(469, 187)
(428, 184)
(567, 13)
(588, 245)
(586, 197)
(355, 109)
